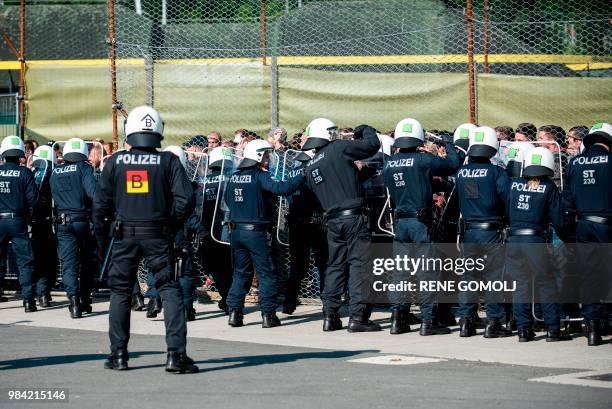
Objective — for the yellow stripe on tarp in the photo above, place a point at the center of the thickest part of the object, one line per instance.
(573, 62)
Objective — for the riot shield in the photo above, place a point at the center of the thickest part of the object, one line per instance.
(214, 188)
(286, 165)
(196, 166)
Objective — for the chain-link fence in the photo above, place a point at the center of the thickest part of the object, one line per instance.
(9, 114)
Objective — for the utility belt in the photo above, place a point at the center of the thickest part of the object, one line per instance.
(423, 215)
(9, 215)
(525, 232)
(491, 226)
(72, 218)
(595, 219)
(140, 231)
(249, 226)
(42, 220)
(356, 211)
(316, 218)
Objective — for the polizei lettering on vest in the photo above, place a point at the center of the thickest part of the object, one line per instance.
(473, 173)
(240, 179)
(129, 159)
(583, 160)
(400, 163)
(10, 173)
(65, 169)
(524, 187)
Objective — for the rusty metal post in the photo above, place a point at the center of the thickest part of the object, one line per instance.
(22, 69)
(486, 37)
(470, 50)
(113, 66)
(263, 31)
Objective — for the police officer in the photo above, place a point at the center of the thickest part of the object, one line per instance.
(408, 176)
(306, 234)
(17, 199)
(588, 196)
(43, 238)
(73, 186)
(149, 196)
(333, 177)
(183, 244)
(216, 256)
(483, 192)
(249, 196)
(533, 202)
(517, 153)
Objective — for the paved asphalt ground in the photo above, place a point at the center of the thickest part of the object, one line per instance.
(48, 350)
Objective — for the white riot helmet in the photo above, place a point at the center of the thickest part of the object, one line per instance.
(539, 162)
(144, 128)
(461, 137)
(408, 134)
(319, 133)
(600, 132)
(12, 146)
(483, 142)
(386, 142)
(254, 152)
(178, 152)
(516, 156)
(218, 155)
(44, 152)
(75, 150)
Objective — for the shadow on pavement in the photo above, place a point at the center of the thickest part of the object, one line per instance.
(35, 362)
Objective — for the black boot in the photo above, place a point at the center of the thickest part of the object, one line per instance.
(190, 314)
(138, 303)
(511, 324)
(222, 304)
(494, 329)
(526, 334)
(235, 319)
(331, 322)
(399, 322)
(359, 324)
(466, 327)
(593, 333)
(75, 307)
(117, 360)
(180, 363)
(573, 327)
(44, 301)
(270, 320)
(429, 328)
(86, 303)
(289, 308)
(154, 307)
(556, 335)
(29, 305)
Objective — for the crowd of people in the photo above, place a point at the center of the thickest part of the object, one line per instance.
(216, 199)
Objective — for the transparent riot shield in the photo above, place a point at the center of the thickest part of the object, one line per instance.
(196, 165)
(285, 166)
(218, 176)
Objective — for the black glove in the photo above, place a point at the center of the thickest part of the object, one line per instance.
(363, 130)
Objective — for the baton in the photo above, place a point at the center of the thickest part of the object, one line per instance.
(106, 258)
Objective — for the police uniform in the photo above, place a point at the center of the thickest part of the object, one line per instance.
(408, 176)
(332, 176)
(532, 205)
(483, 192)
(73, 186)
(306, 234)
(43, 239)
(18, 195)
(148, 195)
(588, 196)
(249, 196)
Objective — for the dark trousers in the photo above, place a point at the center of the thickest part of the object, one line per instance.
(45, 257)
(305, 238)
(75, 253)
(413, 238)
(251, 249)
(126, 254)
(477, 244)
(593, 267)
(16, 230)
(217, 260)
(527, 264)
(348, 242)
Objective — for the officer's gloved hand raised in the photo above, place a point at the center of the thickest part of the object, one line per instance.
(364, 130)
